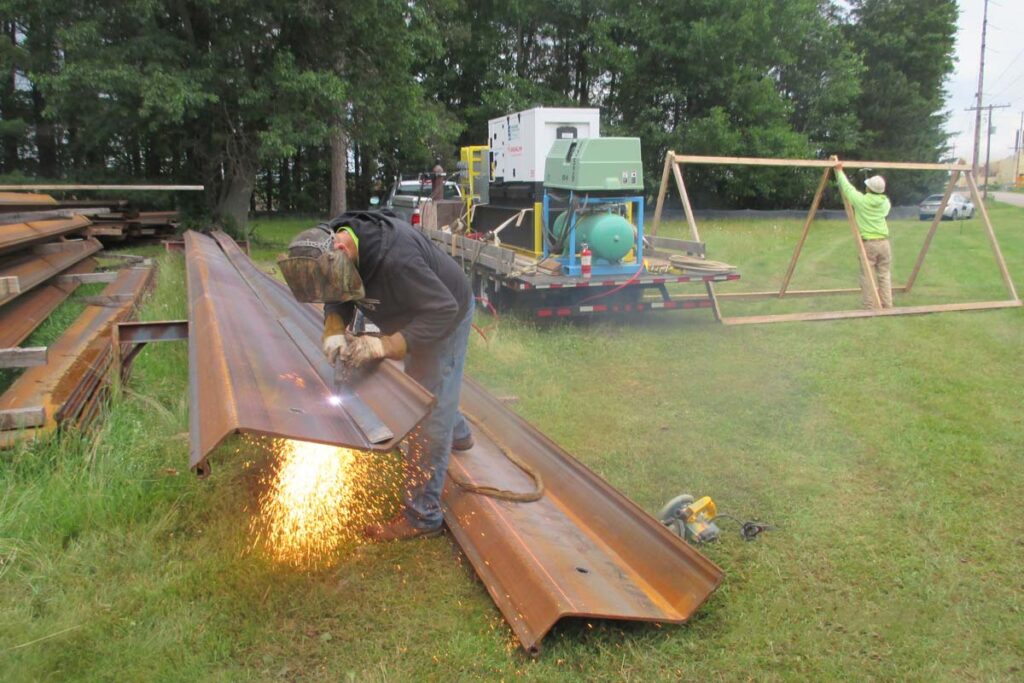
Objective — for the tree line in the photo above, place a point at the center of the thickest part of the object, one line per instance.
(311, 105)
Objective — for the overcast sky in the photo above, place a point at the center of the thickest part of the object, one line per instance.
(1004, 75)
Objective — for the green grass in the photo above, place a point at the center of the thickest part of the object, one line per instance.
(889, 454)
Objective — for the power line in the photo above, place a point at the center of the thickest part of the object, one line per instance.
(1008, 66)
(988, 153)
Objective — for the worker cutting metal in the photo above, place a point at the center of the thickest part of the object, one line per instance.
(420, 300)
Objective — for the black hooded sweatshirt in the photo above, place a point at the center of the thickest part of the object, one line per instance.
(411, 285)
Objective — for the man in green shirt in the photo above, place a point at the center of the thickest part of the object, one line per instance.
(870, 209)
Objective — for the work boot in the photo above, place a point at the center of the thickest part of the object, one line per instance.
(463, 444)
(399, 529)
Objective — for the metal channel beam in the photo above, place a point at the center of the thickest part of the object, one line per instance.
(255, 364)
(584, 550)
(20, 235)
(21, 317)
(32, 270)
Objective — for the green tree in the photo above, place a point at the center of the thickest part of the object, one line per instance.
(907, 50)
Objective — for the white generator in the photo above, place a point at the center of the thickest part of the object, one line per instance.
(520, 142)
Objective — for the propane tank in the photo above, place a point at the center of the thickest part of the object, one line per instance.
(610, 236)
(585, 261)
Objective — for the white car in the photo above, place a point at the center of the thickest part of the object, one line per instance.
(958, 206)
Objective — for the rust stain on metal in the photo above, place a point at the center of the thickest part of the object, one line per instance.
(21, 317)
(255, 363)
(73, 381)
(34, 269)
(584, 550)
(20, 235)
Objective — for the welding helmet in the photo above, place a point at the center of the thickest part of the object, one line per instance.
(316, 272)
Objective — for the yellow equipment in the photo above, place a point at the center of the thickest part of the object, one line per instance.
(690, 518)
(475, 178)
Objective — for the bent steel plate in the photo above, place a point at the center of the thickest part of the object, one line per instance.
(248, 374)
(20, 317)
(72, 360)
(583, 550)
(33, 269)
(18, 235)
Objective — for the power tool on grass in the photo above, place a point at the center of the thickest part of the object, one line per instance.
(692, 518)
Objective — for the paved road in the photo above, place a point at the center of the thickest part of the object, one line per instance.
(1014, 198)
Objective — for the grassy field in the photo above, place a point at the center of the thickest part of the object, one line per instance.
(889, 454)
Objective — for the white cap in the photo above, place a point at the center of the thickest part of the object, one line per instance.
(876, 184)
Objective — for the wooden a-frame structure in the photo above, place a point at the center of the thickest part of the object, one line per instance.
(673, 163)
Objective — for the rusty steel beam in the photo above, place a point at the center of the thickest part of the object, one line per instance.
(19, 199)
(21, 317)
(255, 364)
(34, 269)
(129, 338)
(583, 550)
(77, 363)
(20, 235)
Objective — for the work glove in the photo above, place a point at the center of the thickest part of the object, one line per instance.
(334, 340)
(366, 349)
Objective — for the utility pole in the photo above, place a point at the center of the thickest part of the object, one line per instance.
(1020, 148)
(988, 153)
(981, 83)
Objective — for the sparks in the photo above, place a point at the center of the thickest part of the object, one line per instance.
(316, 500)
(334, 400)
(306, 505)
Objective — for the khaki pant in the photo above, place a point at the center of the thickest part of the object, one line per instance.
(880, 257)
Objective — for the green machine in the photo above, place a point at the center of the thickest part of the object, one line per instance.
(595, 165)
(596, 186)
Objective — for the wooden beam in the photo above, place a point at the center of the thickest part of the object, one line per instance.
(23, 357)
(792, 293)
(932, 230)
(86, 278)
(687, 246)
(498, 258)
(20, 418)
(113, 188)
(10, 284)
(662, 192)
(1000, 261)
(695, 234)
(818, 163)
(807, 228)
(872, 313)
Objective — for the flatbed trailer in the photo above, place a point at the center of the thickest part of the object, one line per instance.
(505, 279)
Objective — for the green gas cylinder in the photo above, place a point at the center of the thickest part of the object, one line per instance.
(609, 235)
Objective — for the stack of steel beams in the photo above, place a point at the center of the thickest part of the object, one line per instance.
(70, 387)
(43, 258)
(131, 225)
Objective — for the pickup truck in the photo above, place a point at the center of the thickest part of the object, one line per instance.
(406, 196)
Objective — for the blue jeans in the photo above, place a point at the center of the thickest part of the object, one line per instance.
(439, 369)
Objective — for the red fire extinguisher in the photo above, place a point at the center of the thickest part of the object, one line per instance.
(585, 262)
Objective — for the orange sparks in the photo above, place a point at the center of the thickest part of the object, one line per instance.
(317, 499)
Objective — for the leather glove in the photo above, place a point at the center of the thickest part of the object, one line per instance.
(334, 347)
(334, 341)
(366, 349)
